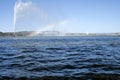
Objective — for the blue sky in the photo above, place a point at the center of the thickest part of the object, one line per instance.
(82, 15)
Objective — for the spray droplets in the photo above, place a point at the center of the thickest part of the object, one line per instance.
(29, 17)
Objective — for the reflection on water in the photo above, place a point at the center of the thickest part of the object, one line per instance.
(60, 57)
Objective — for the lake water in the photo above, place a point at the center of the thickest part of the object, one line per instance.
(58, 58)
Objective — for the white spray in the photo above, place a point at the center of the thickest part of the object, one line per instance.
(25, 12)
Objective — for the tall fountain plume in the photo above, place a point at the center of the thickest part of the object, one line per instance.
(29, 17)
(14, 24)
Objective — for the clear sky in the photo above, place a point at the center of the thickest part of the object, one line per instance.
(82, 15)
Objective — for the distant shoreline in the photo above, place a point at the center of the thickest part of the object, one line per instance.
(55, 33)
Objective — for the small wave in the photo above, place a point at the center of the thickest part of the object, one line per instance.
(29, 50)
(54, 67)
(54, 48)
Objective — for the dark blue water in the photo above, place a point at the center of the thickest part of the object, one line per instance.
(34, 57)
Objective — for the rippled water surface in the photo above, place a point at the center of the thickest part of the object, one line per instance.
(59, 56)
